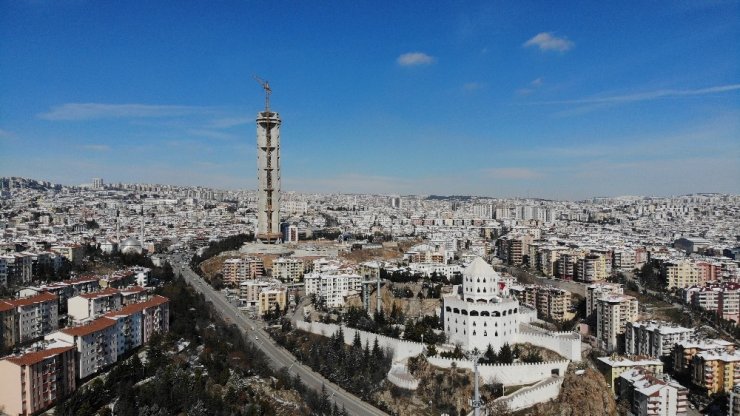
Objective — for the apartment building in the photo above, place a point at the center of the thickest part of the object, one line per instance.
(708, 271)
(613, 366)
(612, 314)
(624, 259)
(722, 298)
(425, 253)
(249, 292)
(236, 271)
(128, 329)
(95, 343)
(72, 252)
(512, 248)
(4, 271)
(566, 265)
(287, 270)
(654, 338)
(550, 302)
(548, 260)
(716, 371)
(652, 395)
(102, 341)
(8, 324)
(93, 305)
(684, 352)
(679, 273)
(332, 288)
(36, 381)
(34, 317)
(734, 401)
(133, 294)
(155, 315)
(272, 298)
(591, 268)
(15, 269)
(595, 291)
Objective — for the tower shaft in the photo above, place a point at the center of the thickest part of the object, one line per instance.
(268, 177)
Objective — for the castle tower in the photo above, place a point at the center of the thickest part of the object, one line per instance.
(484, 313)
(268, 176)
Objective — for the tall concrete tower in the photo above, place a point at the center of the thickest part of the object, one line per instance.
(268, 172)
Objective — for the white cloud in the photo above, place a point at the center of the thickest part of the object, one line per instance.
(227, 122)
(532, 87)
(90, 111)
(649, 95)
(415, 59)
(547, 41)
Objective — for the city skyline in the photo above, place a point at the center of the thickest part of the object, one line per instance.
(502, 101)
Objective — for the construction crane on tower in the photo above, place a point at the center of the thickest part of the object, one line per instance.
(266, 86)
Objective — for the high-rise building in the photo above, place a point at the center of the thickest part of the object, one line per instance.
(268, 173)
(654, 338)
(612, 314)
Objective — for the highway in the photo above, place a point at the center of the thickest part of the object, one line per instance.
(277, 355)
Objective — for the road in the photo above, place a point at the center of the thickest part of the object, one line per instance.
(277, 355)
(578, 288)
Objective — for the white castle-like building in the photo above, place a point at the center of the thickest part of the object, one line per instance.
(485, 312)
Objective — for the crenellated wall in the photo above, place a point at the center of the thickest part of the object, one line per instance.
(547, 375)
(401, 349)
(399, 376)
(548, 389)
(508, 374)
(567, 344)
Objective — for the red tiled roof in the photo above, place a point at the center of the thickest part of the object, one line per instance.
(138, 307)
(133, 289)
(82, 279)
(94, 326)
(105, 292)
(5, 306)
(41, 297)
(37, 356)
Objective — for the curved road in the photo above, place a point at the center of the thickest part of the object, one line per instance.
(277, 355)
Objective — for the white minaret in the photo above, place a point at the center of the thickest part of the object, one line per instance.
(268, 172)
(141, 236)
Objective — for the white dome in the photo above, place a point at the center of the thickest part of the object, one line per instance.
(131, 245)
(480, 281)
(130, 242)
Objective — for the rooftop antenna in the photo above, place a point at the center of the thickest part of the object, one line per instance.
(266, 86)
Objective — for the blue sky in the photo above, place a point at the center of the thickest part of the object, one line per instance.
(547, 99)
